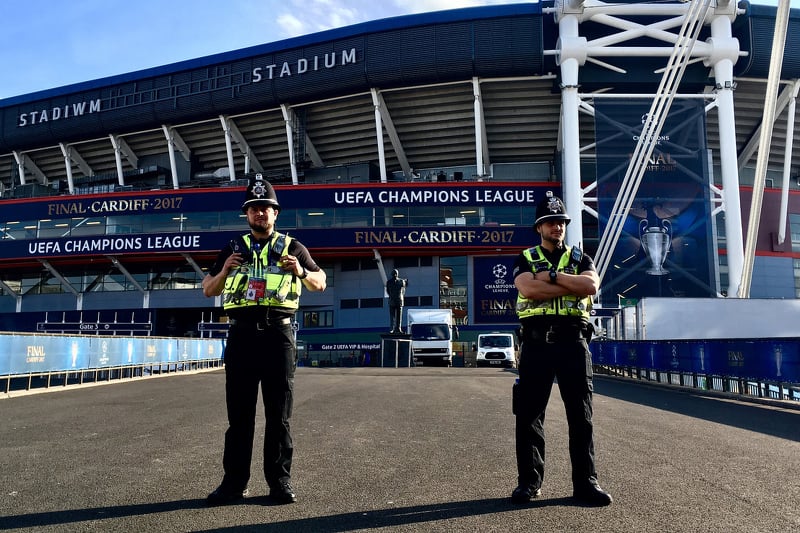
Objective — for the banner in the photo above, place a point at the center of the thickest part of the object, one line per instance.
(775, 360)
(23, 354)
(666, 246)
(495, 296)
(229, 199)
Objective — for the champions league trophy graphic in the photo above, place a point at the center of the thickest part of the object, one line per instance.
(656, 242)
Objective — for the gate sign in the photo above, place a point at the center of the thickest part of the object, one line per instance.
(94, 327)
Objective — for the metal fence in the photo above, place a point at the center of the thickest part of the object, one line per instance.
(774, 390)
(59, 379)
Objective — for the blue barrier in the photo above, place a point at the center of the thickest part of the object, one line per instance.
(40, 354)
(775, 360)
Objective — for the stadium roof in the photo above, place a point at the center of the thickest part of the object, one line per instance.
(423, 72)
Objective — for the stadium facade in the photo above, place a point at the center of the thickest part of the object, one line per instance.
(421, 143)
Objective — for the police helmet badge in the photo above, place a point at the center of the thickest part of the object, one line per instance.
(552, 209)
(260, 192)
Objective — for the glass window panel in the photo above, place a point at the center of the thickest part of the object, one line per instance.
(368, 303)
(426, 216)
(314, 218)
(20, 229)
(361, 217)
(317, 319)
(453, 286)
(124, 224)
(82, 227)
(233, 220)
(168, 223)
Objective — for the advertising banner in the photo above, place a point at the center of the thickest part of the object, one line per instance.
(494, 294)
(24, 354)
(35, 353)
(666, 247)
(757, 359)
(377, 229)
(229, 199)
(437, 237)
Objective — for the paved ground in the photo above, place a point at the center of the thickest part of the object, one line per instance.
(393, 450)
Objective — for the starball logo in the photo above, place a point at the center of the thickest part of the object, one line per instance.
(500, 283)
(659, 161)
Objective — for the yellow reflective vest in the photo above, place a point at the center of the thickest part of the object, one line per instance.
(262, 282)
(568, 305)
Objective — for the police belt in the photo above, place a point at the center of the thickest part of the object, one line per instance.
(262, 320)
(555, 333)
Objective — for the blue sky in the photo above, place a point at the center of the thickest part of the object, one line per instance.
(46, 44)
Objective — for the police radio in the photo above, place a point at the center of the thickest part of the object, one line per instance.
(238, 246)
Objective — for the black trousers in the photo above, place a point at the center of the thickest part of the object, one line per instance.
(569, 361)
(264, 357)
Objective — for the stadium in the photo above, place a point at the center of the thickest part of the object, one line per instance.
(420, 143)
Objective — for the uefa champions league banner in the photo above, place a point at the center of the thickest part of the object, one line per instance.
(758, 359)
(494, 293)
(23, 354)
(666, 247)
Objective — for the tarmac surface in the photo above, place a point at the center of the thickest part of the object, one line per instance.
(416, 449)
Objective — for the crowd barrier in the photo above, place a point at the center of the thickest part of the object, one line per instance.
(28, 360)
(757, 367)
(763, 367)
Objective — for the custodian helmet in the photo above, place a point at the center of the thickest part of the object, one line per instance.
(260, 192)
(551, 209)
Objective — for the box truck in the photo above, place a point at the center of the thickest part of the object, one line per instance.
(432, 334)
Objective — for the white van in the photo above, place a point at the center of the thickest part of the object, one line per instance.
(496, 349)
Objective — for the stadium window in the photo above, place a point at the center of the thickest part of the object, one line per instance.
(354, 265)
(418, 301)
(794, 227)
(350, 265)
(797, 278)
(453, 283)
(317, 319)
(371, 303)
(349, 303)
(412, 262)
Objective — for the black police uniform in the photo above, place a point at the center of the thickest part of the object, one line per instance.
(260, 349)
(260, 300)
(555, 346)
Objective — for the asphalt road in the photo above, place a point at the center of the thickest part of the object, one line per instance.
(393, 450)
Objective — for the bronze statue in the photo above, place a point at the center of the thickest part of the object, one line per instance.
(396, 289)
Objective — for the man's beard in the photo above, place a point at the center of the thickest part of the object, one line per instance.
(259, 227)
(558, 242)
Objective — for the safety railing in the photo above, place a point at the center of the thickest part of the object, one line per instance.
(774, 390)
(60, 379)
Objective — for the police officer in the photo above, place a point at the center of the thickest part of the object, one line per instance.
(555, 284)
(260, 275)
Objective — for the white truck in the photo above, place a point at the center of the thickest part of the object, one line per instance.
(496, 349)
(432, 334)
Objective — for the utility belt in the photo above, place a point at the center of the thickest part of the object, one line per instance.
(553, 333)
(262, 320)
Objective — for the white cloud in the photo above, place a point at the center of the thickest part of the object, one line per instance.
(290, 25)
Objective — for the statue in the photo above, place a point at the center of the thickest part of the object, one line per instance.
(396, 289)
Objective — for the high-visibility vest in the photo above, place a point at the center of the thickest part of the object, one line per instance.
(280, 289)
(568, 305)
